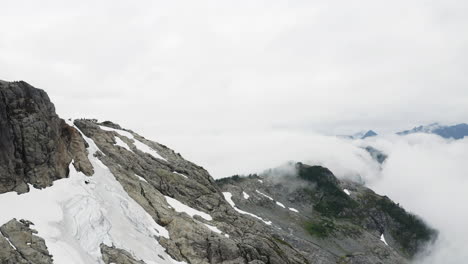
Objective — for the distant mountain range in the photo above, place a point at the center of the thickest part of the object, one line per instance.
(458, 131)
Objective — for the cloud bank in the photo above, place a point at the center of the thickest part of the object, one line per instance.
(425, 173)
(428, 175)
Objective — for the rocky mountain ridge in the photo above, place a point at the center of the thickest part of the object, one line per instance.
(345, 217)
(93, 192)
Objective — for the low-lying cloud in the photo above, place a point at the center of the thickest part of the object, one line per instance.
(426, 174)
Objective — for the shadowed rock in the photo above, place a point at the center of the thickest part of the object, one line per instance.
(36, 145)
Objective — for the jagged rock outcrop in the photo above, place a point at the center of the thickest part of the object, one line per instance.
(36, 145)
(19, 244)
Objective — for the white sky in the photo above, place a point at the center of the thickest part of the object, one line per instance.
(193, 73)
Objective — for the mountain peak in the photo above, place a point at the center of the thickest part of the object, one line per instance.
(369, 133)
(361, 135)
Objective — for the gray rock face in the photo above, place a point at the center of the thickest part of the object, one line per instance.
(113, 255)
(36, 145)
(19, 244)
(249, 241)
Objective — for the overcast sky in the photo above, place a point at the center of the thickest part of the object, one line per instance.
(241, 86)
(215, 71)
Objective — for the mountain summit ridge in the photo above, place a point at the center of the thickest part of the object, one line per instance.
(94, 192)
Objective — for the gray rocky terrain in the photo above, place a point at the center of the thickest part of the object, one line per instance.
(37, 148)
(19, 244)
(344, 218)
(115, 255)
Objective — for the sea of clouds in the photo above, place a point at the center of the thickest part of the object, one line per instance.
(424, 173)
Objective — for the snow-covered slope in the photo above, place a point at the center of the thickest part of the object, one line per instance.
(76, 215)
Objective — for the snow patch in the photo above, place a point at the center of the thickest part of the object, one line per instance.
(214, 229)
(118, 131)
(294, 210)
(182, 208)
(260, 181)
(138, 144)
(269, 197)
(228, 197)
(121, 143)
(347, 191)
(183, 175)
(382, 238)
(143, 147)
(141, 178)
(280, 204)
(264, 195)
(246, 196)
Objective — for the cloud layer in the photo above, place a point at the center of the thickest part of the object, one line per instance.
(424, 173)
(428, 175)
